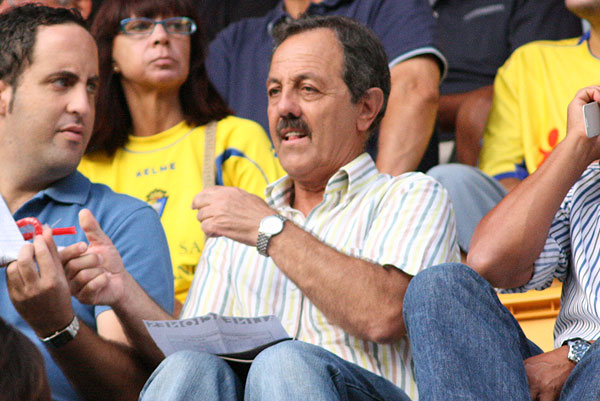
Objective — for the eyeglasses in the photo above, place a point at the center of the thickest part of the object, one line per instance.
(145, 26)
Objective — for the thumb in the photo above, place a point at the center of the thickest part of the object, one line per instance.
(92, 229)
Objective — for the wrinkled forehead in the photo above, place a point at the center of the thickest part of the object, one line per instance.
(318, 50)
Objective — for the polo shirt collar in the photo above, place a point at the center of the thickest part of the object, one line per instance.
(280, 13)
(348, 180)
(73, 188)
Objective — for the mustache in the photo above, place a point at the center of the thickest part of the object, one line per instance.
(294, 123)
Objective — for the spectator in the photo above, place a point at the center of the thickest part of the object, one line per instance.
(48, 82)
(308, 270)
(477, 37)
(332, 229)
(527, 120)
(154, 106)
(23, 375)
(466, 345)
(238, 66)
(217, 14)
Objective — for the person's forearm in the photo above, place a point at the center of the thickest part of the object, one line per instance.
(131, 311)
(363, 298)
(510, 238)
(410, 116)
(100, 369)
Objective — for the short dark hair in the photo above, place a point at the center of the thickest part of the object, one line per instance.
(18, 28)
(22, 365)
(200, 100)
(365, 61)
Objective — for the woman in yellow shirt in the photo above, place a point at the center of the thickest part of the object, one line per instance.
(153, 106)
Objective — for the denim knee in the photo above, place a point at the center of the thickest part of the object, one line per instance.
(191, 360)
(438, 280)
(284, 356)
(434, 286)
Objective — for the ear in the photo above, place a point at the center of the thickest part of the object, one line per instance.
(6, 94)
(370, 104)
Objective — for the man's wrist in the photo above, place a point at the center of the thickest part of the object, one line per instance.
(63, 336)
(130, 289)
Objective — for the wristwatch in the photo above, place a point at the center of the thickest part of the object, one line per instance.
(63, 336)
(577, 349)
(269, 227)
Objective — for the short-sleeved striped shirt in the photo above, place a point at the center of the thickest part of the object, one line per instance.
(572, 254)
(405, 221)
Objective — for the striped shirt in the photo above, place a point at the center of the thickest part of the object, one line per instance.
(572, 254)
(404, 221)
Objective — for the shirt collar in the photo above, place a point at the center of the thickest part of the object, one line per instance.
(348, 180)
(279, 12)
(74, 188)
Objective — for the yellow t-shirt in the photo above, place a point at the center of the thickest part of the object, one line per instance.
(529, 112)
(165, 170)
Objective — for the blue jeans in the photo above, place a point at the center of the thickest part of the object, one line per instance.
(472, 194)
(288, 371)
(467, 346)
(188, 375)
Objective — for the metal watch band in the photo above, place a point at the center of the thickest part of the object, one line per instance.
(62, 337)
(263, 238)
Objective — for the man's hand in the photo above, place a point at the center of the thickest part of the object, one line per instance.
(231, 212)
(547, 373)
(42, 297)
(590, 149)
(96, 277)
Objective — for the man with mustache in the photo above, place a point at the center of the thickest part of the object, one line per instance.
(332, 249)
(238, 65)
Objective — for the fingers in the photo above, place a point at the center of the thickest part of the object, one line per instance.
(71, 252)
(87, 283)
(589, 94)
(198, 201)
(86, 277)
(22, 271)
(204, 197)
(92, 229)
(84, 262)
(46, 254)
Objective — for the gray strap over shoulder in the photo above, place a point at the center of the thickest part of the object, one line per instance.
(208, 168)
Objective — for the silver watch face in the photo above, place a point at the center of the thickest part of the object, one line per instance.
(577, 349)
(271, 225)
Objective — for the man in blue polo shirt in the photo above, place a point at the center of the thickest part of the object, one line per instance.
(48, 81)
(238, 65)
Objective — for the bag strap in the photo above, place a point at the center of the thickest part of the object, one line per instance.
(208, 167)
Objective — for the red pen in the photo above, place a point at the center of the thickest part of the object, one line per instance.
(37, 227)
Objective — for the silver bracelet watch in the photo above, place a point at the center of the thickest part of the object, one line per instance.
(269, 227)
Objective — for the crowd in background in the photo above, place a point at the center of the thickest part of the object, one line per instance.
(194, 108)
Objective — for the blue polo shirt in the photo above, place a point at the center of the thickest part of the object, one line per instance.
(477, 36)
(239, 57)
(134, 228)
